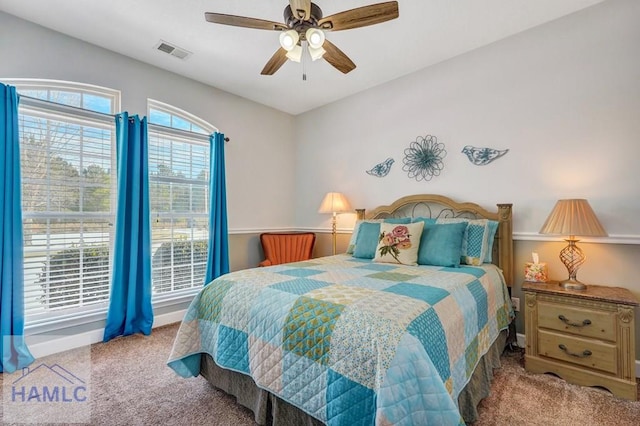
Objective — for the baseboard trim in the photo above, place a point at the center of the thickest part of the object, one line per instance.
(521, 343)
(41, 346)
(520, 340)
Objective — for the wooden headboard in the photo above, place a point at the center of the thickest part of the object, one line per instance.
(439, 206)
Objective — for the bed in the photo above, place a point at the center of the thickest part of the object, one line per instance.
(346, 339)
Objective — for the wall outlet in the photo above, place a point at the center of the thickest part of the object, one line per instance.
(515, 301)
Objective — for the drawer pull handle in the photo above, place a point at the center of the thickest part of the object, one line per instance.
(573, 324)
(586, 353)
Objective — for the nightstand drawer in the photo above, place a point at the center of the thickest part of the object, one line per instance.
(589, 353)
(580, 321)
(586, 337)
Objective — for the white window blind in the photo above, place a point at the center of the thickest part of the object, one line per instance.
(179, 190)
(68, 187)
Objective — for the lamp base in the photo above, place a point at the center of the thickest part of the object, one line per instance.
(573, 258)
(333, 234)
(572, 285)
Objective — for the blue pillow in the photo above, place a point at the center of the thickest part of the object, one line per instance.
(493, 227)
(440, 244)
(427, 220)
(367, 240)
(475, 241)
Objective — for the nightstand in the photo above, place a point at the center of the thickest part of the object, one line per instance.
(586, 337)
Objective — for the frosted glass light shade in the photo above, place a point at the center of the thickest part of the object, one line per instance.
(289, 39)
(315, 37)
(316, 53)
(295, 54)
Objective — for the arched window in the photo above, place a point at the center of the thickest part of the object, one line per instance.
(179, 188)
(67, 137)
(175, 118)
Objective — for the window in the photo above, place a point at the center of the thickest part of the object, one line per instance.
(179, 188)
(68, 188)
(168, 116)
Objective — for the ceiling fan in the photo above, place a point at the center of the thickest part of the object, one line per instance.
(304, 23)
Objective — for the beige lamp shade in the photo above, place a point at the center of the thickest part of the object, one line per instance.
(334, 202)
(573, 218)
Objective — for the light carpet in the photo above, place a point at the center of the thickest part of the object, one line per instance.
(131, 385)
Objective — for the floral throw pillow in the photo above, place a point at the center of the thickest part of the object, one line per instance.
(399, 243)
(356, 230)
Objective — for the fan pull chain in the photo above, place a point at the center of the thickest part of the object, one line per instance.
(304, 61)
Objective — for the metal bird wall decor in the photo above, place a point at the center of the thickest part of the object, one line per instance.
(381, 169)
(482, 156)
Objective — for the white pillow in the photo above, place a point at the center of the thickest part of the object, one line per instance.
(399, 243)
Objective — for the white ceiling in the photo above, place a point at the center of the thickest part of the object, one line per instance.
(231, 58)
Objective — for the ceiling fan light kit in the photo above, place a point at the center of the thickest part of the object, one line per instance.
(304, 22)
(315, 37)
(316, 53)
(289, 39)
(295, 54)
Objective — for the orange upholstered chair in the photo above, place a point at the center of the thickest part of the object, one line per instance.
(286, 247)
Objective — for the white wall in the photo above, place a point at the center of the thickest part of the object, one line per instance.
(564, 98)
(259, 158)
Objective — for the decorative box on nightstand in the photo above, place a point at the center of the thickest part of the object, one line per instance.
(586, 337)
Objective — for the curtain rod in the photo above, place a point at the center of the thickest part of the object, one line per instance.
(180, 132)
(36, 102)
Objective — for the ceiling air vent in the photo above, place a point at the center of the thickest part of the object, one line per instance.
(172, 50)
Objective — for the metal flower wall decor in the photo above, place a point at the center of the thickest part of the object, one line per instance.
(423, 159)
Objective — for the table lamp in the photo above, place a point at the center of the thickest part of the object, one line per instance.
(573, 218)
(334, 202)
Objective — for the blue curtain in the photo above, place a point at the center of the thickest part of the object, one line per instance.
(218, 248)
(130, 308)
(13, 350)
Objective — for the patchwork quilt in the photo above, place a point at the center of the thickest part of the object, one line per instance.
(349, 341)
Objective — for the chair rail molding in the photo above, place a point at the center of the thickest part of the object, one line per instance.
(611, 239)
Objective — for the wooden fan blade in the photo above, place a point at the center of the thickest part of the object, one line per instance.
(301, 9)
(337, 58)
(242, 21)
(276, 61)
(360, 17)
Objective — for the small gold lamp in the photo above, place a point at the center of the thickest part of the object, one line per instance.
(573, 217)
(334, 202)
